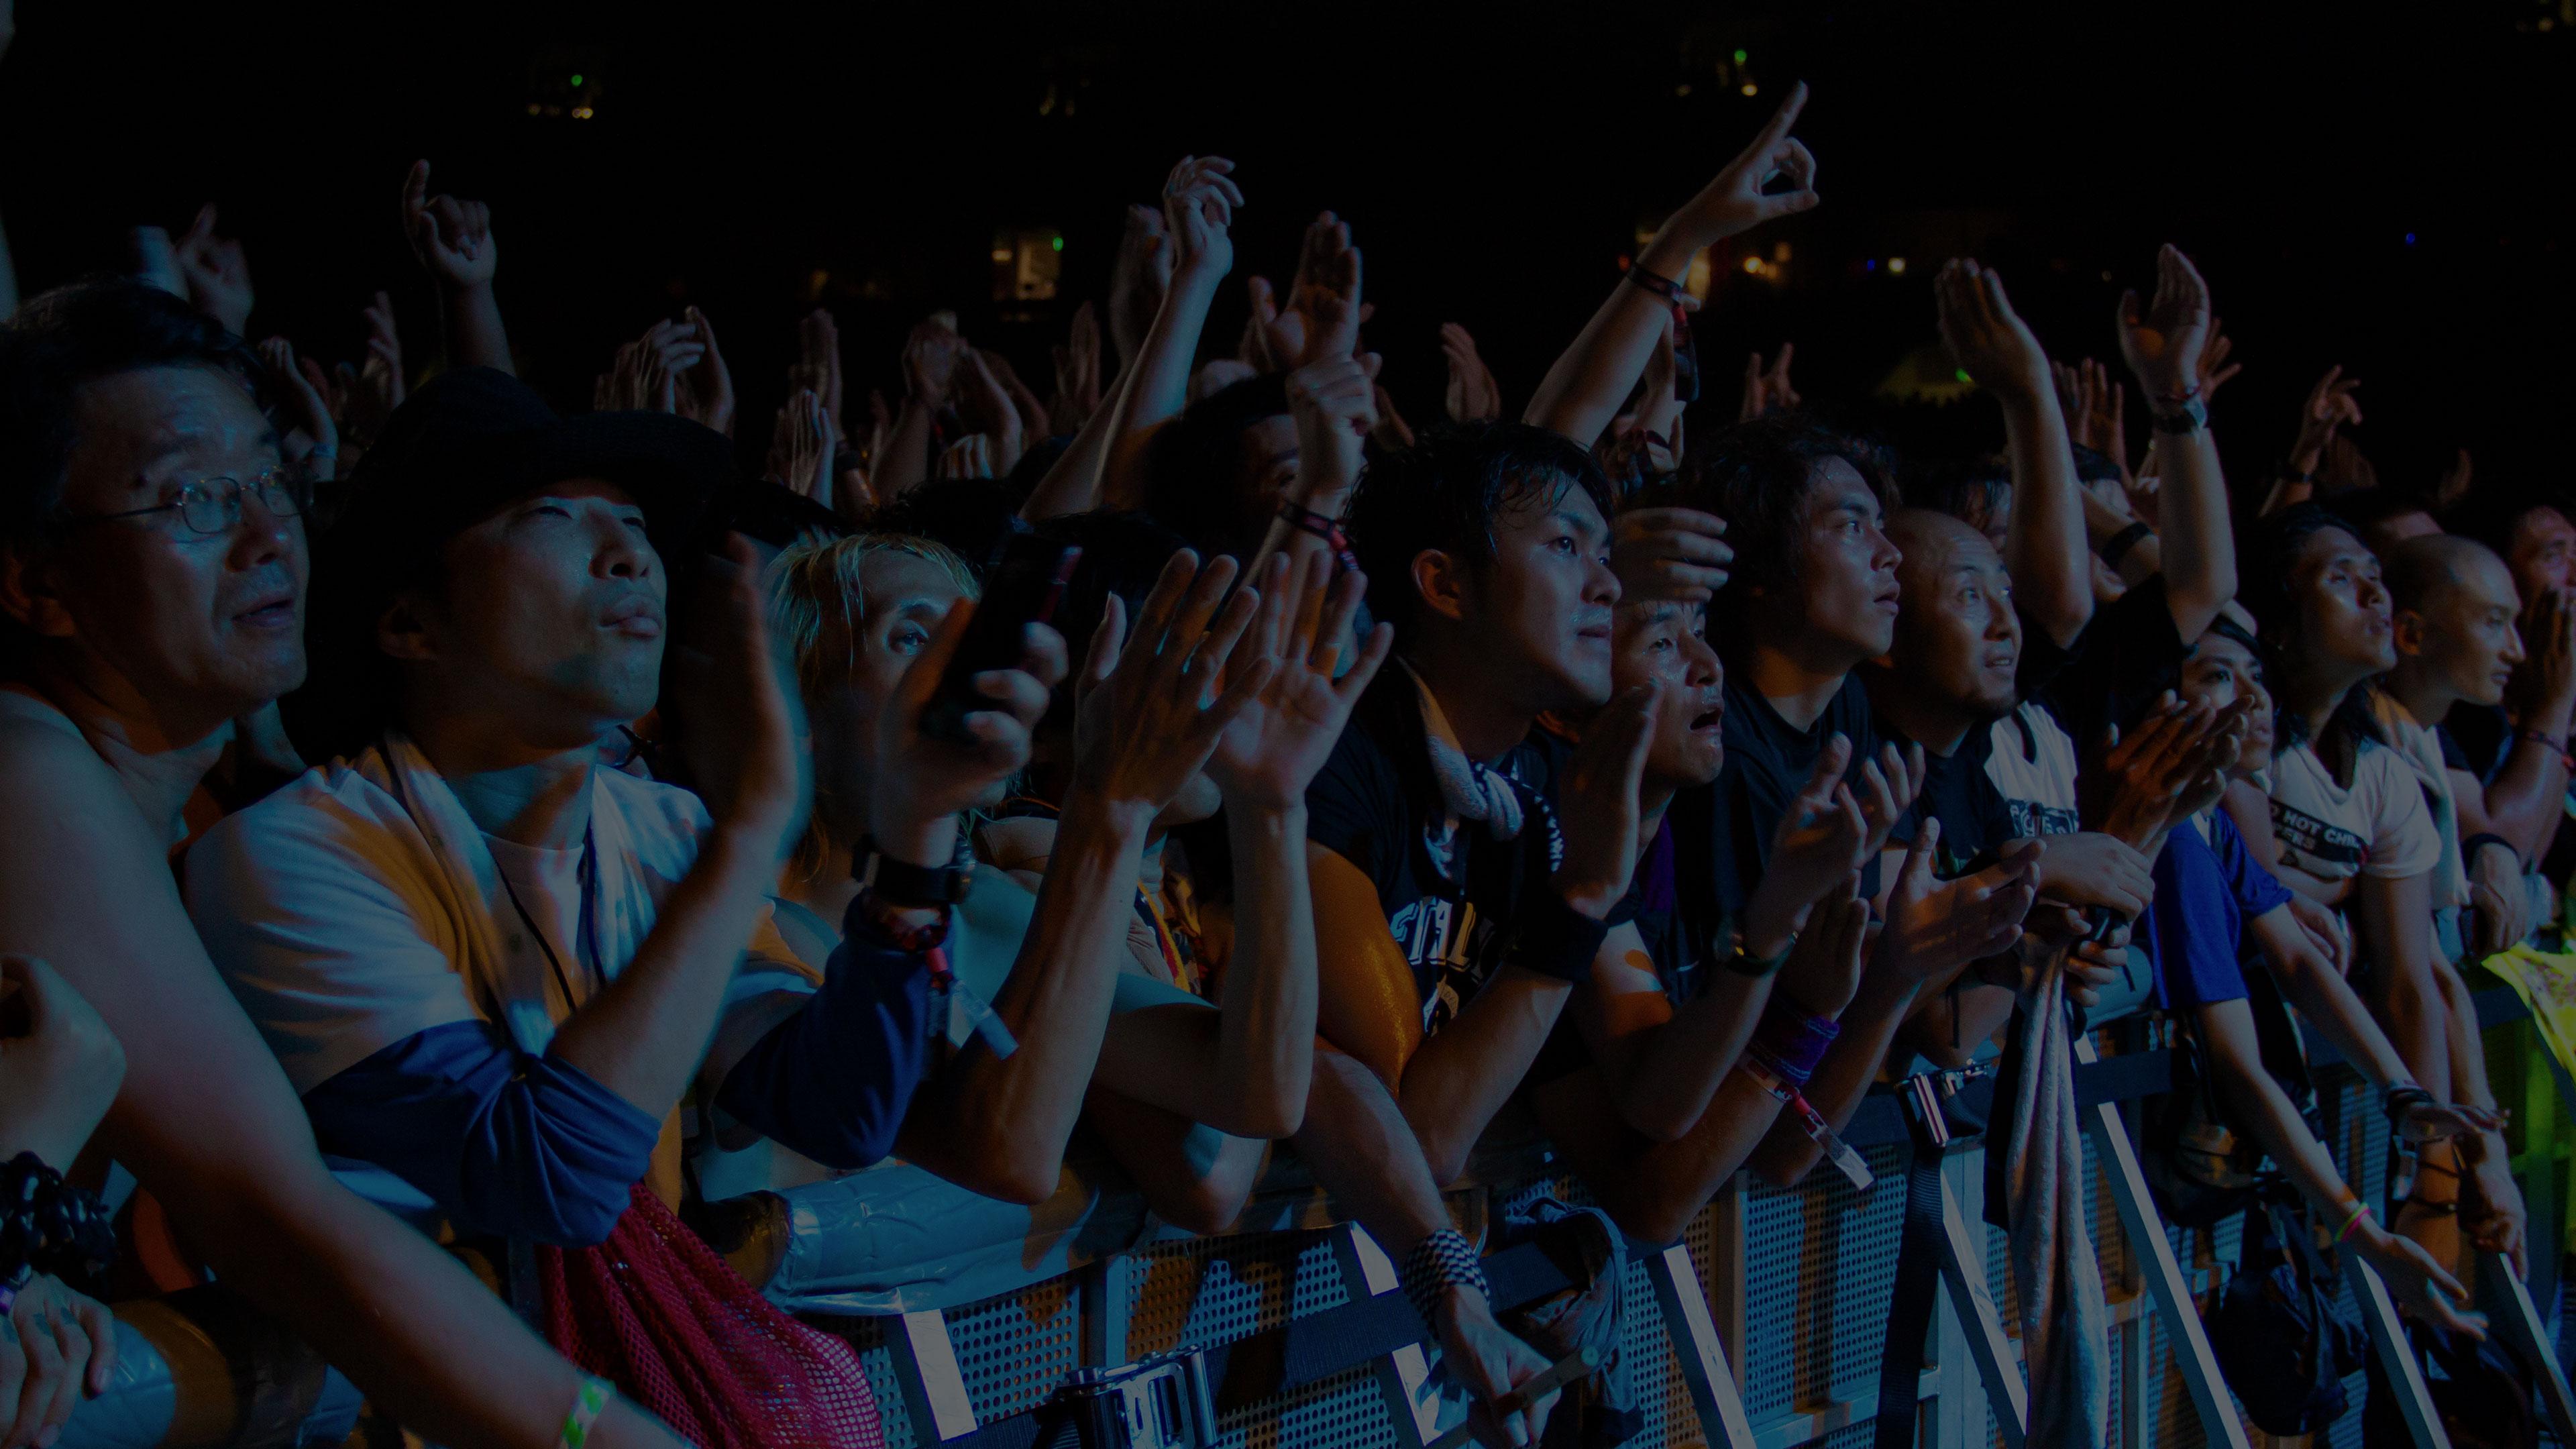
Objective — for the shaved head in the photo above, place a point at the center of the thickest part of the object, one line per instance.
(1933, 544)
(1957, 638)
(2422, 569)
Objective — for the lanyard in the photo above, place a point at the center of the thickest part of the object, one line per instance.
(585, 924)
(1812, 1122)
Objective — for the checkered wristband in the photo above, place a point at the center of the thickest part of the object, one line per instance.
(1438, 1263)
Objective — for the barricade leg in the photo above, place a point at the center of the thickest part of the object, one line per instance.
(2166, 1286)
(2510, 1311)
(934, 1388)
(2396, 1357)
(1963, 1273)
(1702, 1357)
(1404, 1376)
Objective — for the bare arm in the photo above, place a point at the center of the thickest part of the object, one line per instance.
(2044, 545)
(237, 1166)
(1198, 206)
(2391, 914)
(2163, 344)
(1654, 1188)
(1584, 388)
(2319, 991)
(1660, 1067)
(453, 240)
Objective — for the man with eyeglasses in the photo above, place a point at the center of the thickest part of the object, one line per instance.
(152, 572)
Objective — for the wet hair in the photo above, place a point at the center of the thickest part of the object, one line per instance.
(1971, 490)
(2271, 554)
(1447, 491)
(65, 339)
(1194, 463)
(815, 584)
(1756, 476)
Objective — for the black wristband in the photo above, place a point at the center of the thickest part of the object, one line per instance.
(49, 1226)
(2117, 546)
(920, 887)
(1664, 287)
(1438, 1263)
(1554, 939)
(2187, 416)
(2469, 847)
(2401, 1098)
(1744, 963)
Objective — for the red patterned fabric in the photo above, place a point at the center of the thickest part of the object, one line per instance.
(656, 1311)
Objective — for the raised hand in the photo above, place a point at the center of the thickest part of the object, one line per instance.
(2214, 366)
(1984, 334)
(1137, 283)
(59, 1075)
(969, 457)
(1034, 422)
(1335, 405)
(216, 271)
(305, 407)
(818, 364)
(924, 780)
(985, 405)
(736, 723)
(1935, 927)
(2163, 342)
(2105, 428)
(802, 446)
(2544, 684)
(930, 359)
(2151, 780)
(1472, 395)
(1199, 199)
(1888, 786)
(2330, 406)
(1824, 969)
(1597, 801)
(374, 388)
(1077, 373)
(705, 392)
(1767, 391)
(1735, 200)
(1148, 711)
(1324, 311)
(452, 238)
(1670, 553)
(1265, 759)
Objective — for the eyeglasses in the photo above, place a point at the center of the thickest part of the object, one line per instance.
(214, 505)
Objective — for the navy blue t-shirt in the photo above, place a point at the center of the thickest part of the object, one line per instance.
(2194, 930)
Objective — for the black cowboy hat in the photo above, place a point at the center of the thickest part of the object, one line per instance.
(469, 443)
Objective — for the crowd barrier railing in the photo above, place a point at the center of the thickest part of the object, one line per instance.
(1763, 1328)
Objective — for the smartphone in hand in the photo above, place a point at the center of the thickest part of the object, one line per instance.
(1023, 587)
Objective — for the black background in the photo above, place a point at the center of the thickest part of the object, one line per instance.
(1494, 161)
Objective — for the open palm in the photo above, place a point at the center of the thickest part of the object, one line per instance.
(1273, 749)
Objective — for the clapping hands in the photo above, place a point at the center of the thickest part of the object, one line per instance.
(1199, 199)
(1767, 390)
(216, 271)
(1472, 394)
(1323, 313)
(1984, 334)
(1149, 710)
(1273, 748)
(2163, 340)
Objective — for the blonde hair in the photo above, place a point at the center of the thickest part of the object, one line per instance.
(814, 588)
(814, 596)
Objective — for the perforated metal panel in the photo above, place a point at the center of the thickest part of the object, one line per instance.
(867, 1336)
(1014, 1351)
(1820, 1263)
(1209, 1291)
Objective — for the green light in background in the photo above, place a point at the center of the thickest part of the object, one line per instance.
(1739, 60)
(1058, 243)
(576, 80)
(1960, 373)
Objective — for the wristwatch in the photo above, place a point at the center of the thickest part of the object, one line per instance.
(1744, 963)
(2187, 416)
(901, 883)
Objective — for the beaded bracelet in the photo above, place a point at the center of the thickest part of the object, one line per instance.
(47, 1226)
(1438, 1263)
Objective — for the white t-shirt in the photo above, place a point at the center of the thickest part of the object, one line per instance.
(2422, 752)
(2033, 766)
(2378, 826)
(320, 905)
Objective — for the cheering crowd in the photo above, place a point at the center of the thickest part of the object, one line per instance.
(441, 823)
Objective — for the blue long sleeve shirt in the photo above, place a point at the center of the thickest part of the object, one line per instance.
(531, 1146)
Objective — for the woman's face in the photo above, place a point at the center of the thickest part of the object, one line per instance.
(2222, 671)
(2342, 605)
(902, 598)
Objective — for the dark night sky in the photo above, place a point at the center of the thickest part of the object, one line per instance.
(1494, 161)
